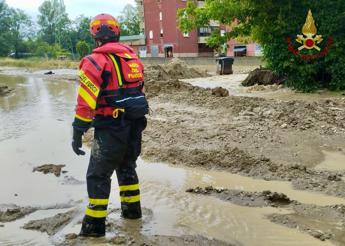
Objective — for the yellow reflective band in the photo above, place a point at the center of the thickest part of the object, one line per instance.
(96, 214)
(112, 22)
(129, 187)
(117, 69)
(130, 199)
(88, 83)
(127, 55)
(87, 97)
(95, 23)
(99, 201)
(82, 118)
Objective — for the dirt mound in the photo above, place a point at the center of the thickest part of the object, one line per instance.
(175, 69)
(10, 213)
(262, 77)
(50, 168)
(220, 92)
(50, 225)
(5, 90)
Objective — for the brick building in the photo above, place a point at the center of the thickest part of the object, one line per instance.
(164, 39)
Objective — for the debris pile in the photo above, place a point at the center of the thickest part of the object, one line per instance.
(175, 69)
(50, 168)
(262, 77)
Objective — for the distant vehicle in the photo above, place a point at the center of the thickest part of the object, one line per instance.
(240, 50)
(20, 55)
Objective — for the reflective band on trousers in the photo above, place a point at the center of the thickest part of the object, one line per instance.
(130, 199)
(129, 187)
(96, 214)
(99, 201)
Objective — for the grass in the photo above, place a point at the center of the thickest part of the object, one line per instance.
(38, 63)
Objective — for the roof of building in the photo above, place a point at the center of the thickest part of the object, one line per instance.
(131, 38)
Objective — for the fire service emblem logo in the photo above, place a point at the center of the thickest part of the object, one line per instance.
(310, 40)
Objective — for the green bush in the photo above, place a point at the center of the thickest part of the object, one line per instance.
(82, 48)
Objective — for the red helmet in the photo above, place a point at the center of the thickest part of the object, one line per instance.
(105, 27)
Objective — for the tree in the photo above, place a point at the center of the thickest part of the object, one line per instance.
(272, 24)
(83, 48)
(15, 27)
(53, 21)
(129, 21)
(21, 25)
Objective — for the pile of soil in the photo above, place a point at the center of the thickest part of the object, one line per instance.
(175, 69)
(5, 90)
(262, 77)
(50, 168)
(10, 213)
(51, 225)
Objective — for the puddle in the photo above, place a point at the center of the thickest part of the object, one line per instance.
(36, 130)
(334, 161)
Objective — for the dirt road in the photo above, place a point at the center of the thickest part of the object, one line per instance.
(246, 146)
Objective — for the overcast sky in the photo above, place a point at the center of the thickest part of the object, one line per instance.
(75, 7)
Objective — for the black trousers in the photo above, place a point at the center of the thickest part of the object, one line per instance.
(115, 148)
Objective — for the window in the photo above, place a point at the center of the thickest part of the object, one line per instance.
(160, 16)
(151, 34)
(162, 33)
(186, 34)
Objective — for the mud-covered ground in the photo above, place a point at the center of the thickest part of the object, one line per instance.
(258, 137)
(262, 136)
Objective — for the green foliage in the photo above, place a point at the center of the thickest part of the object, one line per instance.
(129, 21)
(83, 48)
(270, 23)
(15, 26)
(53, 21)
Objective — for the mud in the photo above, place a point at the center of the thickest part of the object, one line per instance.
(255, 137)
(50, 169)
(127, 232)
(321, 222)
(175, 69)
(262, 77)
(247, 139)
(72, 239)
(220, 92)
(10, 213)
(51, 225)
(5, 90)
(252, 199)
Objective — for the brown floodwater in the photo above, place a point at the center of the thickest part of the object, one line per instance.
(36, 129)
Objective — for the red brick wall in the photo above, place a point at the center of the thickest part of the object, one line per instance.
(171, 35)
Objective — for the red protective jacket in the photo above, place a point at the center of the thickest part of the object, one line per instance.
(110, 69)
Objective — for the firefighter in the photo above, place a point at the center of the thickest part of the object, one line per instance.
(111, 99)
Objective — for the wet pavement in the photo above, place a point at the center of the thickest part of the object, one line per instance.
(36, 129)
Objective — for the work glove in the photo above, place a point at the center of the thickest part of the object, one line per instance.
(77, 142)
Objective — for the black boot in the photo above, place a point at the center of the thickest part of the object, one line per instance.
(131, 211)
(92, 227)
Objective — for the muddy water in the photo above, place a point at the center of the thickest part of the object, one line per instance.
(36, 129)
